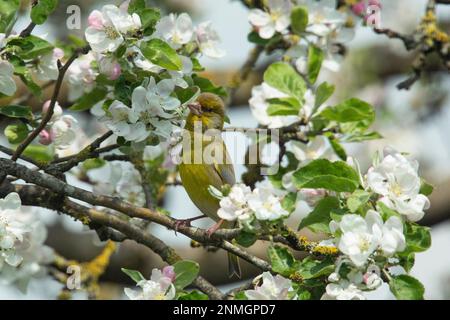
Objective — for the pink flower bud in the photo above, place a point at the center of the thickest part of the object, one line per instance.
(115, 72)
(57, 110)
(169, 273)
(359, 8)
(95, 20)
(45, 138)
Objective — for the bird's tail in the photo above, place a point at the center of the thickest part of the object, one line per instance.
(234, 268)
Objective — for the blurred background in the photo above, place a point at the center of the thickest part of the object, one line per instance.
(415, 121)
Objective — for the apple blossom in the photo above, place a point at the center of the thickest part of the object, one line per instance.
(234, 205)
(266, 205)
(81, 76)
(106, 28)
(109, 67)
(397, 180)
(7, 84)
(323, 17)
(47, 66)
(343, 290)
(177, 30)
(276, 19)
(208, 40)
(272, 288)
(11, 230)
(359, 8)
(159, 287)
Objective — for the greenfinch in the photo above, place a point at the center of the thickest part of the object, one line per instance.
(206, 162)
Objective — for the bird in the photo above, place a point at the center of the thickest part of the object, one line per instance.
(206, 162)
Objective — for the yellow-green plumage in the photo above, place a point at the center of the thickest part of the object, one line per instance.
(218, 171)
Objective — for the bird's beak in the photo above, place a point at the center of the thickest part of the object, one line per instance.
(195, 108)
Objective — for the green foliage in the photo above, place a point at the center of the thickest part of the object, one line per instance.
(281, 260)
(352, 110)
(337, 147)
(39, 153)
(315, 59)
(310, 268)
(405, 287)
(206, 85)
(246, 239)
(91, 164)
(8, 11)
(15, 111)
(289, 202)
(193, 295)
(136, 276)
(30, 47)
(418, 238)
(323, 93)
(16, 132)
(299, 19)
(319, 219)
(426, 188)
(41, 11)
(283, 77)
(161, 54)
(283, 106)
(357, 199)
(186, 271)
(336, 176)
(88, 100)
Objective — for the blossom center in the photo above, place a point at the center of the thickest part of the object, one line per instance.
(111, 33)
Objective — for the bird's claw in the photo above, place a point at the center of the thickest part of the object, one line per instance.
(214, 228)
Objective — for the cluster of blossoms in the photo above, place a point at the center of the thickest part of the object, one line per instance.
(244, 205)
(325, 27)
(61, 130)
(154, 109)
(23, 254)
(159, 287)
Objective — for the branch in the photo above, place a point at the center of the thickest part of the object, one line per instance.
(243, 73)
(37, 196)
(48, 115)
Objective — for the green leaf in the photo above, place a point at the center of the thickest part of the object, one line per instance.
(319, 219)
(405, 287)
(357, 199)
(315, 59)
(386, 212)
(299, 19)
(323, 93)
(39, 153)
(186, 271)
(338, 148)
(283, 77)
(8, 11)
(16, 132)
(194, 295)
(206, 85)
(136, 6)
(254, 37)
(352, 110)
(418, 238)
(406, 260)
(283, 107)
(15, 111)
(149, 19)
(31, 47)
(426, 188)
(161, 54)
(246, 239)
(136, 276)
(309, 268)
(336, 176)
(88, 100)
(27, 79)
(289, 201)
(41, 11)
(281, 260)
(187, 95)
(359, 137)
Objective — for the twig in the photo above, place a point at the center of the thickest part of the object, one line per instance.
(48, 115)
(10, 152)
(243, 73)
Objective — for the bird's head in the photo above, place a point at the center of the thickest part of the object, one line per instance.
(209, 110)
